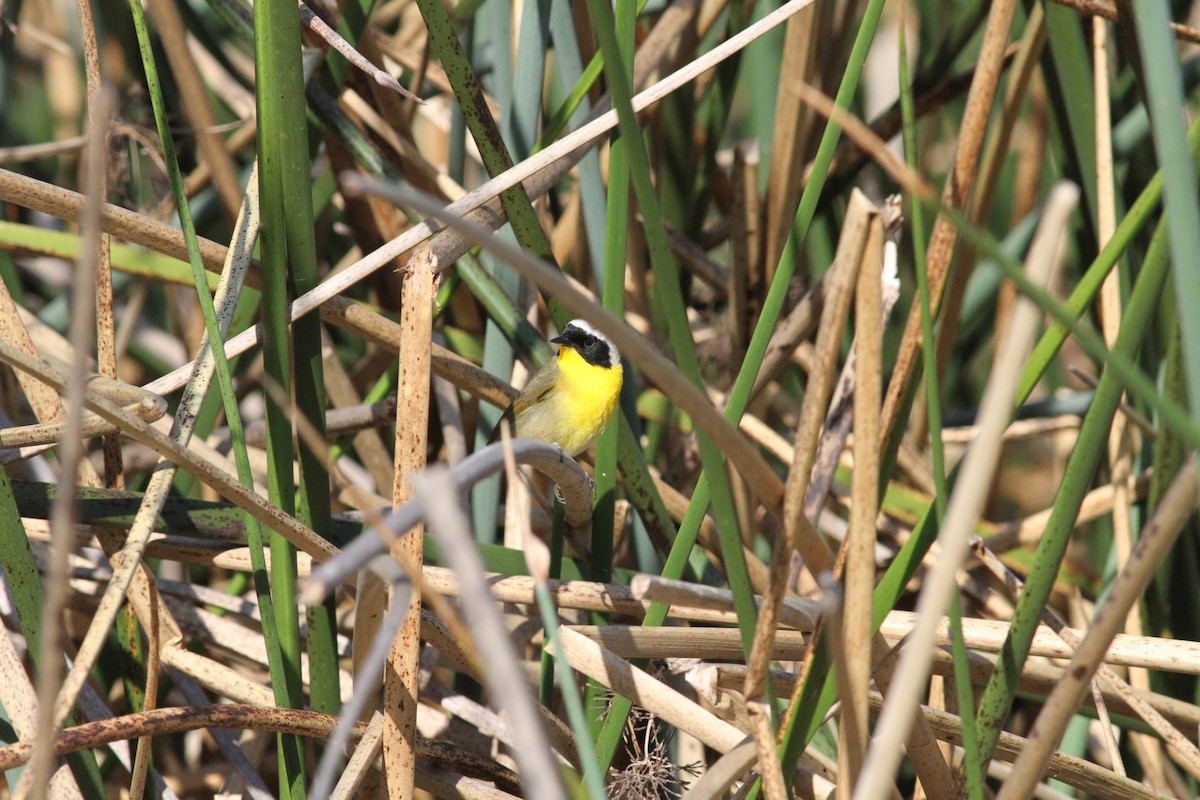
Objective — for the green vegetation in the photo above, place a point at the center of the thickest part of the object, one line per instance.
(899, 497)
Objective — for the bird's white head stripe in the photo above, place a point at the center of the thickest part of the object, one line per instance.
(587, 327)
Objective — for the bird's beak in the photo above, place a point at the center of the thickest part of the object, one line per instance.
(559, 340)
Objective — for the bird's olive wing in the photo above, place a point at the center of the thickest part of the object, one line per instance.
(541, 387)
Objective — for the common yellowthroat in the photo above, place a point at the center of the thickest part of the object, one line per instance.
(572, 397)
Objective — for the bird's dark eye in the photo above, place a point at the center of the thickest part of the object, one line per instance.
(589, 341)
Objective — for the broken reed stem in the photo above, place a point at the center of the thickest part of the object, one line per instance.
(989, 68)
(859, 578)
(1120, 456)
(816, 555)
(106, 347)
(966, 503)
(995, 157)
(401, 676)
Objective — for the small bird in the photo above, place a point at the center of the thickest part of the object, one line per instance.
(572, 397)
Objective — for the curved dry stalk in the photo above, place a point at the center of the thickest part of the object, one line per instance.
(233, 716)
(256, 788)
(575, 484)
(505, 678)
(225, 635)
(720, 776)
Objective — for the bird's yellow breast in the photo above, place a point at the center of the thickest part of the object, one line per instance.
(581, 404)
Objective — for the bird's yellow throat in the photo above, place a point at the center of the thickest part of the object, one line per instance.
(588, 397)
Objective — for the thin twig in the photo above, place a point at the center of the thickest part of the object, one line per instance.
(56, 589)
